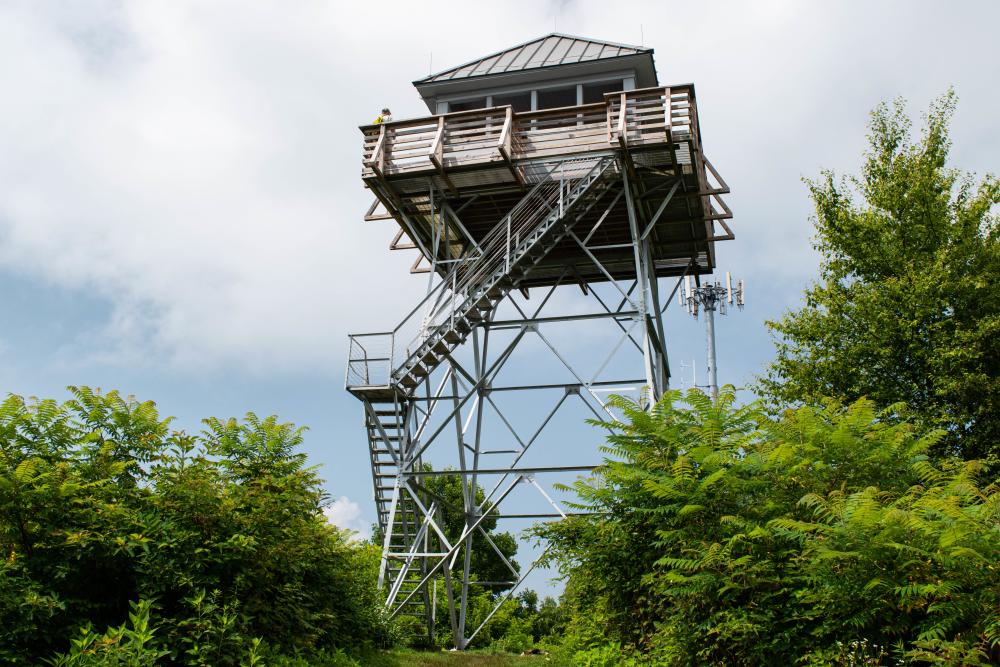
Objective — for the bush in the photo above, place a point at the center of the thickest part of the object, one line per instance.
(130, 645)
(102, 504)
(608, 655)
(728, 537)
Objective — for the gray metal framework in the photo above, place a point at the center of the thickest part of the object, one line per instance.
(429, 385)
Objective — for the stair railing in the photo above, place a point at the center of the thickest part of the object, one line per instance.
(506, 243)
(463, 286)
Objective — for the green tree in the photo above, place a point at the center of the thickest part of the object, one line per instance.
(722, 535)
(906, 308)
(549, 620)
(218, 537)
(486, 565)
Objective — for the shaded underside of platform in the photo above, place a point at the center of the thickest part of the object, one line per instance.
(449, 180)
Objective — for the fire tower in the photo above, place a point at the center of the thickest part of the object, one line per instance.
(553, 186)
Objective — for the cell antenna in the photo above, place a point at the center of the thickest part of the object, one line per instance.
(713, 297)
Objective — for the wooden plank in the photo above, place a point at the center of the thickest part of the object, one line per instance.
(566, 137)
(560, 111)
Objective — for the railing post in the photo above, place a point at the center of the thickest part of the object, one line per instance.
(377, 162)
(622, 120)
(507, 257)
(668, 113)
(607, 105)
(392, 357)
(454, 286)
(350, 357)
(436, 153)
(561, 176)
(368, 375)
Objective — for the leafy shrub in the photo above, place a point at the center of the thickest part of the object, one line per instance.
(102, 504)
(130, 645)
(515, 639)
(729, 537)
(608, 655)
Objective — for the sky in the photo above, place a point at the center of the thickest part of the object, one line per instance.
(181, 207)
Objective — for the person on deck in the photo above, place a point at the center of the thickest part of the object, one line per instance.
(383, 117)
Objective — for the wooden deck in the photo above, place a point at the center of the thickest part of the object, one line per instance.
(483, 137)
(481, 162)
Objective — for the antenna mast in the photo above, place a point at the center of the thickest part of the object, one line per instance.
(711, 297)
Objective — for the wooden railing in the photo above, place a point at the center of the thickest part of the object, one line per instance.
(650, 116)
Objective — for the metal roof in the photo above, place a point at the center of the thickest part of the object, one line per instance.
(547, 51)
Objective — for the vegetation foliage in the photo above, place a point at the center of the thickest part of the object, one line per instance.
(851, 519)
(906, 308)
(860, 526)
(210, 543)
(486, 564)
(725, 536)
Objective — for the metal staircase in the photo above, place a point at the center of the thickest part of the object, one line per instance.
(385, 368)
(533, 227)
(398, 513)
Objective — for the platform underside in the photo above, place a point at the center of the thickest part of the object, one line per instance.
(680, 241)
(447, 201)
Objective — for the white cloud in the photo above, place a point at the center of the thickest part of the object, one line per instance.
(345, 513)
(198, 178)
(196, 164)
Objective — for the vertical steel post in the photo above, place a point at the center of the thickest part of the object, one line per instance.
(713, 375)
(643, 283)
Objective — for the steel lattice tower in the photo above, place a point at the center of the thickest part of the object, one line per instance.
(535, 226)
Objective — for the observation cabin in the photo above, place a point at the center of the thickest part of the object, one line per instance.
(503, 124)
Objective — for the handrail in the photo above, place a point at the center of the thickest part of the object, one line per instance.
(560, 111)
(486, 243)
(502, 246)
(647, 116)
(462, 289)
(450, 114)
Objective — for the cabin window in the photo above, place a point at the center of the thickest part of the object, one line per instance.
(466, 105)
(554, 98)
(520, 101)
(594, 92)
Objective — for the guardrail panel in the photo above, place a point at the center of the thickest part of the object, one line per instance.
(478, 137)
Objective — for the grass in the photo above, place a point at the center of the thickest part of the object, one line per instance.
(408, 658)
